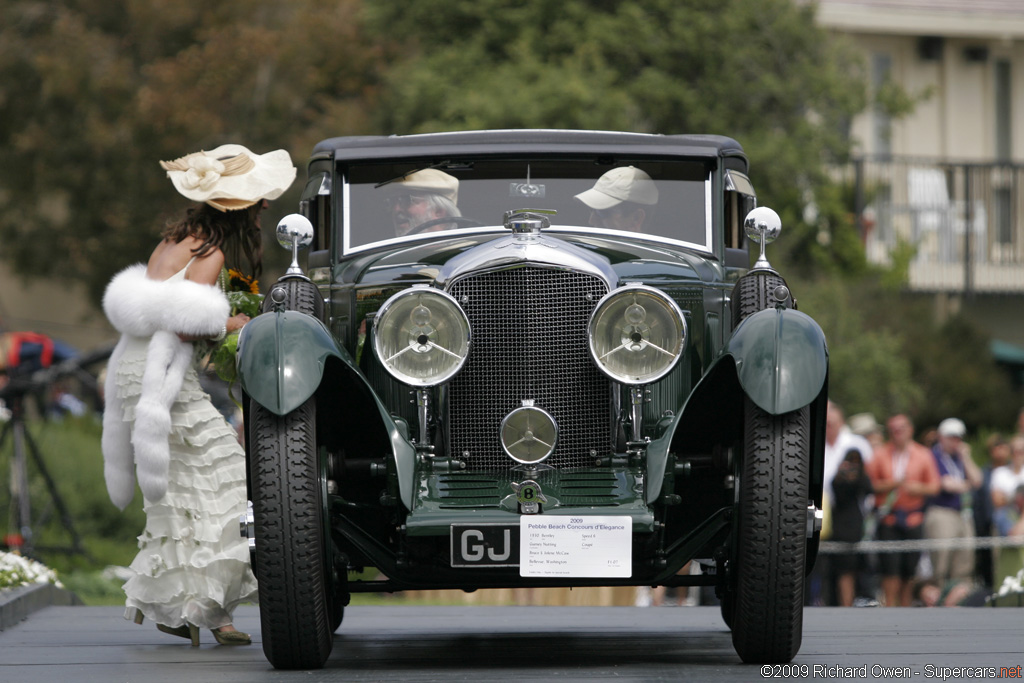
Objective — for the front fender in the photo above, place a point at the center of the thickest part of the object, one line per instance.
(781, 359)
(777, 357)
(282, 358)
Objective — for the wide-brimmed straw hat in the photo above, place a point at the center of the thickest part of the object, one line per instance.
(231, 177)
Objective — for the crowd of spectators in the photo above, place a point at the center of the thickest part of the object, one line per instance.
(890, 486)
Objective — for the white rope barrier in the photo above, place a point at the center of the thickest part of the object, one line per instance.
(833, 547)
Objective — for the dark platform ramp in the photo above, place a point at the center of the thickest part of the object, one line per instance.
(95, 644)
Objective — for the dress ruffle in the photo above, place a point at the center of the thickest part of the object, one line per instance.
(192, 565)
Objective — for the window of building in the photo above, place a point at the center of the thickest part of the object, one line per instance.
(1004, 126)
(881, 68)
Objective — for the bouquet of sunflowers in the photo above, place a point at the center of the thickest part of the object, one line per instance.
(243, 294)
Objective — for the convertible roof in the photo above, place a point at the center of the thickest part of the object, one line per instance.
(528, 142)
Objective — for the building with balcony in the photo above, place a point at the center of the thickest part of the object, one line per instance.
(948, 179)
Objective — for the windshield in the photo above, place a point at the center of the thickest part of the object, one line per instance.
(396, 201)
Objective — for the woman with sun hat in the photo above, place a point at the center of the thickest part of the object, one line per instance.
(159, 426)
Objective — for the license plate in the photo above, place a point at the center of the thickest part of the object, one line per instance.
(485, 545)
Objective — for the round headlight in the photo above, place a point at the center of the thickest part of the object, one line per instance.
(421, 336)
(529, 434)
(637, 334)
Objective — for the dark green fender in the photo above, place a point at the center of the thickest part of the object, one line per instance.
(778, 357)
(781, 359)
(282, 357)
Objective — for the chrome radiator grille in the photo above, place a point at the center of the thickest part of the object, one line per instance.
(529, 342)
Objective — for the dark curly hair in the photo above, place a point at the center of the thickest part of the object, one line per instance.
(234, 232)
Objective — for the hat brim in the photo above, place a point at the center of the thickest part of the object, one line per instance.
(598, 201)
(271, 175)
(232, 204)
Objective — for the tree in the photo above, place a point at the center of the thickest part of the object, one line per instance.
(93, 93)
(761, 72)
(888, 355)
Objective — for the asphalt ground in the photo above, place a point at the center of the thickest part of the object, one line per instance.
(399, 643)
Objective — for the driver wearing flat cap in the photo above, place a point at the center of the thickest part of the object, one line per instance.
(420, 201)
(621, 199)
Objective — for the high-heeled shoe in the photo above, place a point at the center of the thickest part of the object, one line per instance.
(231, 637)
(188, 631)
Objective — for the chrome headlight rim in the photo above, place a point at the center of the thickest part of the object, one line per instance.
(676, 351)
(378, 340)
(528, 407)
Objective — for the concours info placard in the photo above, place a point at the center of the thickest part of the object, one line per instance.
(586, 547)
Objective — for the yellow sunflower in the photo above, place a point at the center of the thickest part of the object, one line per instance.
(240, 282)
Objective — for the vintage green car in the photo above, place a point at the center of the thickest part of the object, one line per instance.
(527, 358)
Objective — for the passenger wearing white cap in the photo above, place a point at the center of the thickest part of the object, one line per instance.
(958, 475)
(621, 199)
(419, 201)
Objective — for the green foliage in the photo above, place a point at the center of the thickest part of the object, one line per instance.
(953, 361)
(889, 355)
(223, 357)
(95, 588)
(245, 302)
(762, 72)
(868, 369)
(894, 101)
(70, 448)
(93, 93)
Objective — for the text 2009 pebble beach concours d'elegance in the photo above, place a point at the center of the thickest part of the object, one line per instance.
(531, 358)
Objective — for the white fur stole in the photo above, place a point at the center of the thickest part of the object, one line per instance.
(159, 310)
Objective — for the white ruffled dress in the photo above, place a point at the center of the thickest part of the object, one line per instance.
(193, 565)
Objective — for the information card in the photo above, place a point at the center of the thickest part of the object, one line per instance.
(587, 547)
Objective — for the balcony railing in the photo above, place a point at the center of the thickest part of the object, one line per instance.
(965, 221)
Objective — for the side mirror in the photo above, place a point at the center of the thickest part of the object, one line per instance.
(762, 226)
(294, 232)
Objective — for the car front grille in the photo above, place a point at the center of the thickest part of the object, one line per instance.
(529, 329)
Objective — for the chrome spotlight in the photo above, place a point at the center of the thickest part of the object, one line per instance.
(529, 434)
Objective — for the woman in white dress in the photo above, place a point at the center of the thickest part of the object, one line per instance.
(192, 568)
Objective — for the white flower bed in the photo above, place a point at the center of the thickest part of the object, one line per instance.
(1012, 585)
(17, 571)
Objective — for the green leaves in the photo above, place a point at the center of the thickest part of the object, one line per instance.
(222, 358)
(245, 302)
(94, 93)
(224, 353)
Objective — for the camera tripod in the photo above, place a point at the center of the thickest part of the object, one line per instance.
(21, 537)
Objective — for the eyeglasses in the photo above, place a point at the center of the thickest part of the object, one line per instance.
(403, 201)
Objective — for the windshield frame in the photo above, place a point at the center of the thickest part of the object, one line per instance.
(343, 208)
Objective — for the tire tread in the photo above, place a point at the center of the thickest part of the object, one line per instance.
(290, 543)
(772, 542)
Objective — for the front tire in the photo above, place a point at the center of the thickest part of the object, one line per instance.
(290, 565)
(772, 536)
(755, 292)
(296, 294)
